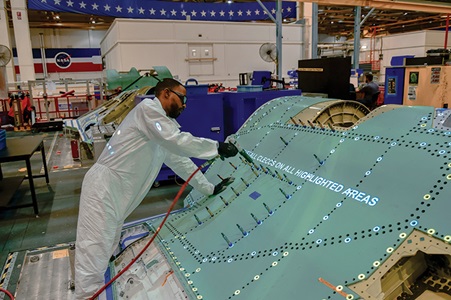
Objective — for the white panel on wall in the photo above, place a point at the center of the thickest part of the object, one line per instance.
(291, 33)
(235, 46)
(436, 39)
(198, 31)
(235, 54)
(136, 30)
(109, 39)
(249, 32)
(407, 40)
(67, 38)
(144, 56)
(291, 56)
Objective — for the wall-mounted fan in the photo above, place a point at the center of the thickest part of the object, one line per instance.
(5, 55)
(268, 52)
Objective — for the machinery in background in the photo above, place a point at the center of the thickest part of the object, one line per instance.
(254, 82)
(293, 79)
(262, 80)
(117, 82)
(329, 76)
(420, 81)
(394, 80)
(95, 127)
(21, 114)
(427, 85)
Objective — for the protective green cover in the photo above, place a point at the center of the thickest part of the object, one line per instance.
(339, 200)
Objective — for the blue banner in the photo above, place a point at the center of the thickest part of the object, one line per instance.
(139, 9)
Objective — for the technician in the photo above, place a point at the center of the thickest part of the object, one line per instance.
(369, 89)
(125, 171)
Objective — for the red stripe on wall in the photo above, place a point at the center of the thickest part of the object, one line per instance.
(74, 67)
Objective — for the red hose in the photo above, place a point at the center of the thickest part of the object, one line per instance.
(7, 293)
(154, 235)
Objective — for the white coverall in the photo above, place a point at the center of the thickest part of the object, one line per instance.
(120, 179)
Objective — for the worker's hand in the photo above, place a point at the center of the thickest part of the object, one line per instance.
(220, 187)
(227, 149)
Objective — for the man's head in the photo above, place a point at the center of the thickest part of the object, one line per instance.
(172, 95)
(368, 78)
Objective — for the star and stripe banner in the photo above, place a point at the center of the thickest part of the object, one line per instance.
(145, 9)
(60, 60)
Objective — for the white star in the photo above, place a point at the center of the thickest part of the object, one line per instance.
(118, 9)
(183, 13)
(203, 13)
(288, 9)
(248, 12)
(264, 12)
(57, 2)
(141, 10)
(82, 5)
(240, 13)
(43, 1)
(70, 3)
(231, 13)
(257, 12)
(273, 11)
(212, 13)
(130, 10)
(222, 13)
(193, 13)
(173, 12)
(107, 7)
(95, 6)
(162, 12)
(152, 11)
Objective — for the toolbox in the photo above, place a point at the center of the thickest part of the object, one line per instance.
(196, 88)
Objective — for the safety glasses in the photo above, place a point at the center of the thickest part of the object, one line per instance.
(180, 95)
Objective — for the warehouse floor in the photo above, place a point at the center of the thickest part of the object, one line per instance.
(58, 201)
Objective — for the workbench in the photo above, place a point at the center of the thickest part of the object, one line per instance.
(18, 149)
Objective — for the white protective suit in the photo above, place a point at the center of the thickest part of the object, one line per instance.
(123, 175)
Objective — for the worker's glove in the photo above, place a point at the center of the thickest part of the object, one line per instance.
(220, 187)
(227, 149)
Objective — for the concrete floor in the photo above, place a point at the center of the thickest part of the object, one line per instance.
(58, 201)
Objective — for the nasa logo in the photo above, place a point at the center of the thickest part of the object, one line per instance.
(63, 60)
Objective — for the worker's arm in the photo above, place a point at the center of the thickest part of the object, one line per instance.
(184, 167)
(153, 123)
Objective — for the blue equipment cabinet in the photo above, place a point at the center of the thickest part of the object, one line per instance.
(238, 106)
(394, 85)
(203, 116)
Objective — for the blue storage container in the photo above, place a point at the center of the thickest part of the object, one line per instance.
(195, 89)
(2, 139)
